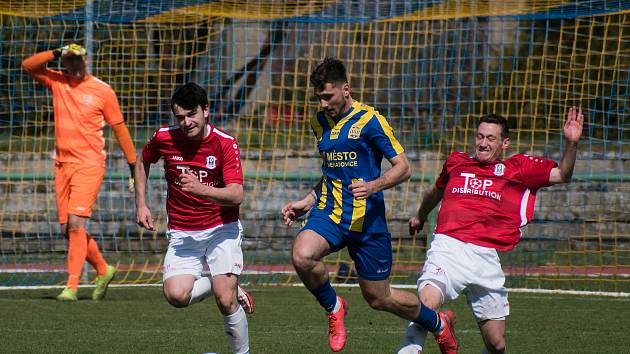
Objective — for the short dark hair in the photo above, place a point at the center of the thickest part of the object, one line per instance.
(496, 119)
(330, 71)
(189, 96)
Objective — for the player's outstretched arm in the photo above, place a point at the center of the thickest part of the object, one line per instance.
(400, 172)
(430, 200)
(572, 132)
(141, 176)
(293, 210)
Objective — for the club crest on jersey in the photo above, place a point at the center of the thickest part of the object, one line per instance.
(499, 169)
(87, 99)
(354, 132)
(211, 162)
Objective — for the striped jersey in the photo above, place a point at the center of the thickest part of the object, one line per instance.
(352, 150)
(216, 162)
(487, 204)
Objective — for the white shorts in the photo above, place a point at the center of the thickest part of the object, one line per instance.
(456, 267)
(219, 248)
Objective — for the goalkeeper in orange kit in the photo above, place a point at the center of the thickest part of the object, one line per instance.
(82, 104)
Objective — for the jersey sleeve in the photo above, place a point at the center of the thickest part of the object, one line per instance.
(535, 170)
(111, 109)
(151, 151)
(35, 65)
(382, 136)
(442, 180)
(232, 166)
(452, 160)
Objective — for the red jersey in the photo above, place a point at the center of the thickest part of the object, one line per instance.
(215, 160)
(487, 204)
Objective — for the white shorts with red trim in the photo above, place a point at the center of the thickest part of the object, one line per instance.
(456, 267)
(190, 251)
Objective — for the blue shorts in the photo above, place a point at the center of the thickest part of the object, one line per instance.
(371, 252)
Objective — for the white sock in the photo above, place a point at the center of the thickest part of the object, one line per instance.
(202, 288)
(414, 339)
(337, 305)
(237, 331)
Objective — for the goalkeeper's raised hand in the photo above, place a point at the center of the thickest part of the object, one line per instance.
(70, 49)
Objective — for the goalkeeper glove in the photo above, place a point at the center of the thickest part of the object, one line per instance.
(70, 49)
(131, 180)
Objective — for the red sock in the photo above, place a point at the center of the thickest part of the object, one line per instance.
(94, 256)
(77, 252)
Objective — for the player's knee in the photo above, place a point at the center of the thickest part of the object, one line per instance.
(498, 347)
(301, 259)
(226, 302)
(177, 298)
(496, 344)
(178, 302)
(76, 222)
(431, 297)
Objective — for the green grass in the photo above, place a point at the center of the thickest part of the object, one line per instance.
(288, 320)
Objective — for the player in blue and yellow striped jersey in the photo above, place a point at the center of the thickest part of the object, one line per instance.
(346, 206)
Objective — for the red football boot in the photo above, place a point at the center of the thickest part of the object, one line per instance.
(336, 329)
(446, 337)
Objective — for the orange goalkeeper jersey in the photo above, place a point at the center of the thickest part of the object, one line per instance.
(81, 110)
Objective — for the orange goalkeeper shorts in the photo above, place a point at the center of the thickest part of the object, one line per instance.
(76, 187)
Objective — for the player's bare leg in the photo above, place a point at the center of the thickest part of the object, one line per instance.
(235, 321)
(308, 250)
(380, 296)
(415, 335)
(493, 334)
(178, 288)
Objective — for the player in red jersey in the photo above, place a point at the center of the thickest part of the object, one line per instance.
(485, 202)
(204, 175)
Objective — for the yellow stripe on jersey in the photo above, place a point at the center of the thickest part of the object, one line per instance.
(389, 131)
(358, 211)
(324, 197)
(365, 118)
(336, 128)
(337, 198)
(319, 131)
(331, 122)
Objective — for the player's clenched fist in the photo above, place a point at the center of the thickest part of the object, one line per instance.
(361, 189)
(190, 183)
(415, 225)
